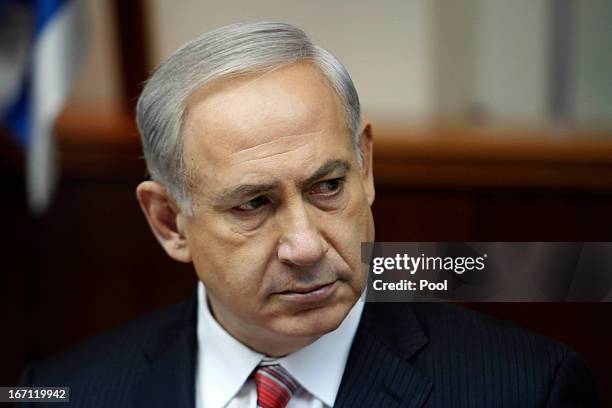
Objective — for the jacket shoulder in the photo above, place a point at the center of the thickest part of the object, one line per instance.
(510, 362)
(460, 330)
(112, 357)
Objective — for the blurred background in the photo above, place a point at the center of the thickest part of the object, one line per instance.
(492, 122)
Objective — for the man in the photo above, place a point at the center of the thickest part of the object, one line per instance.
(262, 178)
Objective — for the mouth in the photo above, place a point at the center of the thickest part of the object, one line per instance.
(314, 293)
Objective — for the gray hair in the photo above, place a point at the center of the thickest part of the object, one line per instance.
(229, 51)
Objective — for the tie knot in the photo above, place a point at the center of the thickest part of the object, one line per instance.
(275, 386)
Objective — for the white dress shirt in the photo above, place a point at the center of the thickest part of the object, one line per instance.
(224, 364)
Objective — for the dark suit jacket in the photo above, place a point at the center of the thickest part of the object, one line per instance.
(403, 355)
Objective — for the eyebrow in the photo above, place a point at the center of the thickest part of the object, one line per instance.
(249, 190)
(328, 167)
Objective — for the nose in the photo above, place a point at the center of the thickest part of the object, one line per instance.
(301, 243)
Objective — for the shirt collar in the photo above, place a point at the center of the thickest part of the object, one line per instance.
(224, 364)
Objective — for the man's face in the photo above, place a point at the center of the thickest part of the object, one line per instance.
(280, 205)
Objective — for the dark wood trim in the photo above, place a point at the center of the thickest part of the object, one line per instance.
(463, 157)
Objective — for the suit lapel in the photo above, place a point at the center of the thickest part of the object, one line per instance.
(377, 371)
(168, 380)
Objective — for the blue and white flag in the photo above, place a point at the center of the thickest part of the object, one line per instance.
(41, 42)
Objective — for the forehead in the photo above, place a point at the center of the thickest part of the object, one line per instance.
(244, 123)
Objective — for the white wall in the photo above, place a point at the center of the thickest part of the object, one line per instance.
(385, 45)
(410, 59)
(593, 64)
(98, 83)
(511, 66)
(456, 50)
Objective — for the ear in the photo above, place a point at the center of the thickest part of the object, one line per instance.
(163, 216)
(365, 150)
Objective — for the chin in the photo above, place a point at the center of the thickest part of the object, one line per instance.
(315, 322)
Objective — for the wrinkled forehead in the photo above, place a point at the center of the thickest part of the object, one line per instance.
(256, 115)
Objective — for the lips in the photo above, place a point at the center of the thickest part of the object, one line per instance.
(308, 289)
(309, 294)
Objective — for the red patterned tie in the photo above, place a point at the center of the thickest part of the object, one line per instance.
(275, 386)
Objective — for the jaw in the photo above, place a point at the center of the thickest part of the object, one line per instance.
(288, 328)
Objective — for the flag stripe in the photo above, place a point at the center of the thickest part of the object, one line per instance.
(52, 60)
(18, 116)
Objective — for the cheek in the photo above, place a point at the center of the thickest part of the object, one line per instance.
(347, 230)
(358, 218)
(228, 263)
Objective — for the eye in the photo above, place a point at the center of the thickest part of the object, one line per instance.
(328, 187)
(254, 204)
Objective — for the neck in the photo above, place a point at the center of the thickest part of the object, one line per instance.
(277, 348)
